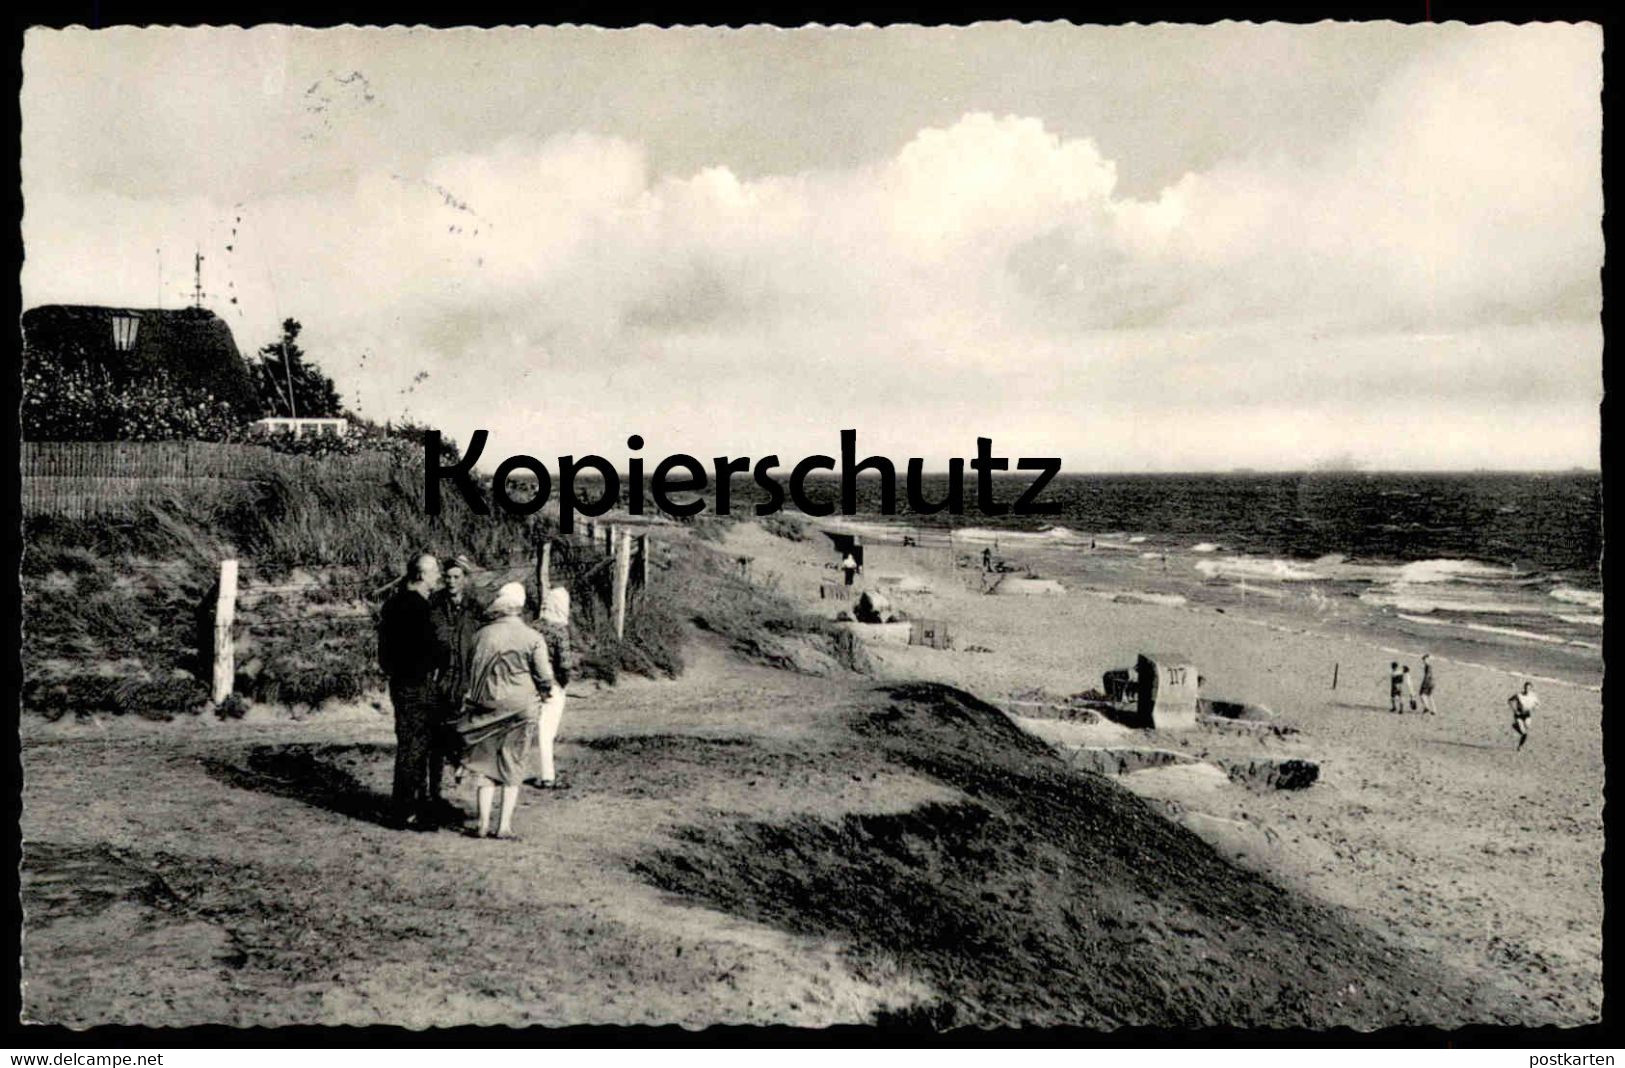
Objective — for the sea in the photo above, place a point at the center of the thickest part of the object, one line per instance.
(1493, 557)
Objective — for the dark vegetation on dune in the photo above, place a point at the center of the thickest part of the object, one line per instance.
(1047, 896)
(319, 775)
(118, 611)
(786, 527)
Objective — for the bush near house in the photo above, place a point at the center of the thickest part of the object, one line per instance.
(403, 441)
(86, 404)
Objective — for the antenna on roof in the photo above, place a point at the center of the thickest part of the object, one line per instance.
(197, 280)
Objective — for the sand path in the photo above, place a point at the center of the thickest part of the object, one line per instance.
(198, 872)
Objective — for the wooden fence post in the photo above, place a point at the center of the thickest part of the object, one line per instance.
(225, 611)
(623, 568)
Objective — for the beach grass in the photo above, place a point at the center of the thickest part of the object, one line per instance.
(133, 597)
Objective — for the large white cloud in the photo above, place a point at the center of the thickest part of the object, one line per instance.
(1470, 192)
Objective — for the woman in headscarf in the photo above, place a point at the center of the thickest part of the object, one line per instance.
(555, 626)
(510, 676)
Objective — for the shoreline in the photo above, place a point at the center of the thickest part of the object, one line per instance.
(1122, 568)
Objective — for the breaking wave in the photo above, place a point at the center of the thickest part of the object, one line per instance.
(1427, 571)
(1267, 569)
(1426, 600)
(1571, 595)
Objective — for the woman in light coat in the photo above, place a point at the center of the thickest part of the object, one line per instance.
(555, 627)
(510, 675)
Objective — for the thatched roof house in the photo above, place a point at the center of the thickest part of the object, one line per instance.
(193, 345)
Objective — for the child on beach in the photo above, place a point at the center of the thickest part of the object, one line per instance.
(1405, 682)
(1396, 687)
(555, 627)
(1523, 706)
(1426, 692)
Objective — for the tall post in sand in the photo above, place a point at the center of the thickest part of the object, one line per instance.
(225, 612)
(623, 569)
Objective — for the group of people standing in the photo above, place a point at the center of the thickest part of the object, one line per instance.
(474, 687)
(1523, 703)
(1400, 692)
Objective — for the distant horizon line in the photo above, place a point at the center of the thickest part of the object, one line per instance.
(832, 476)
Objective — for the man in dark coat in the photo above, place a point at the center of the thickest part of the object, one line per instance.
(456, 618)
(411, 652)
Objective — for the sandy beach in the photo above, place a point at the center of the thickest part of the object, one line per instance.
(1434, 829)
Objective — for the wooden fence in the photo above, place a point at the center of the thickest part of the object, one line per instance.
(601, 563)
(82, 479)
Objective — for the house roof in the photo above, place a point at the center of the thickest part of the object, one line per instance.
(192, 344)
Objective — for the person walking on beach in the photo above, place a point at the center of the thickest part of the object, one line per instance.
(1523, 706)
(457, 619)
(849, 567)
(410, 652)
(1425, 693)
(987, 559)
(1396, 688)
(1405, 684)
(510, 676)
(555, 628)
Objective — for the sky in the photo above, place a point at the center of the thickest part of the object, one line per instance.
(1137, 248)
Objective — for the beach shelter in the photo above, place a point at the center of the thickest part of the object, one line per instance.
(1118, 685)
(1166, 690)
(873, 607)
(847, 543)
(932, 633)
